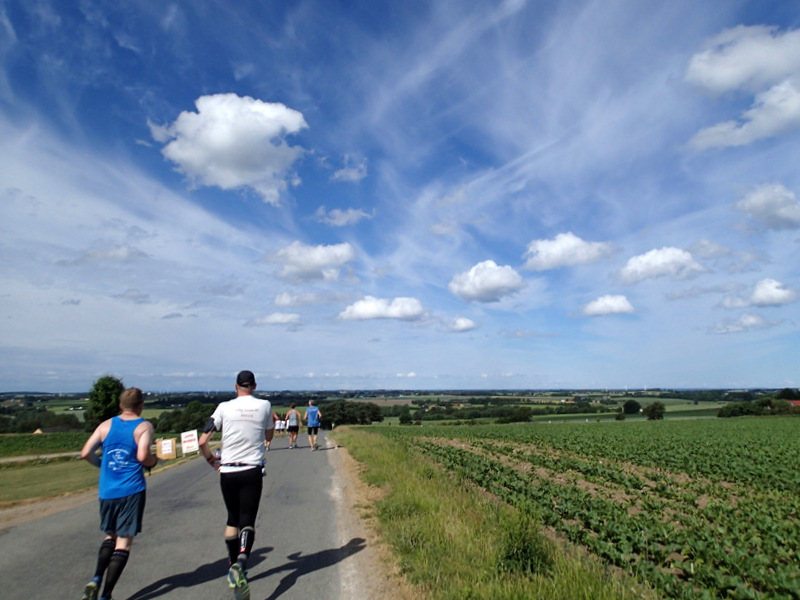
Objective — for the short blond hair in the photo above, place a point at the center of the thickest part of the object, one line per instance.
(130, 398)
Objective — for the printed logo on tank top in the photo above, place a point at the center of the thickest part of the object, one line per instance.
(118, 459)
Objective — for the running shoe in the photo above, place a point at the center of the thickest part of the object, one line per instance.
(90, 591)
(238, 582)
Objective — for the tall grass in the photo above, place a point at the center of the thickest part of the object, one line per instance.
(454, 542)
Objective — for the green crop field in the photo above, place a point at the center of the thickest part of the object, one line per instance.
(25, 444)
(703, 508)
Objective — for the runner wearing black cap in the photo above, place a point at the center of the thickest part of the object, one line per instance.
(246, 425)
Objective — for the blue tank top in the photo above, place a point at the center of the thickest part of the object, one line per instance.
(313, 416)
(121, 474)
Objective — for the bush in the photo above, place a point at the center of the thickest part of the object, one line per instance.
(631, 407)
(654, 411)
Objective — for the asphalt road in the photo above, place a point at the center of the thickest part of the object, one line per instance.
(180, 553)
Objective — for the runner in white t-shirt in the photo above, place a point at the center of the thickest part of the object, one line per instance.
(247, 426)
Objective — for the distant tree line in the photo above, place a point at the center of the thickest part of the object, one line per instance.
(777, 405)
(26, 419)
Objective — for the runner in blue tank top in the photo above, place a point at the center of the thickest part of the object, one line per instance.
(313, 418)
(125, 442)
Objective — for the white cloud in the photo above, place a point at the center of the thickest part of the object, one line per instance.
(461, 324)
(661, 262)
(404, 309)
(608, 305)
(565, 250)
(774, 112)
(303, 262)
(746, 322)
(757, 59)
(767, 292)
(486, 282)
(745, 58)
(234, 142)
(773, 204)
(351, 172)
(277, 318)
(339, 218)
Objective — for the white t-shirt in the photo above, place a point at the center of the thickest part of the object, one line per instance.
(243, 422)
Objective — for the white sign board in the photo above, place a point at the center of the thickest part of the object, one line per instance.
(189, 442)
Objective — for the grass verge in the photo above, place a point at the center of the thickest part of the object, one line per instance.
(452, 541)
(48, 478)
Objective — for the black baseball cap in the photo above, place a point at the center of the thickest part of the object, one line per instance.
(246, 379)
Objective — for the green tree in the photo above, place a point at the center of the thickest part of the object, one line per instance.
(103, 400)
(654, 411)
(631, 407)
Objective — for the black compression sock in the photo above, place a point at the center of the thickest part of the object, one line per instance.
(103, 558)
(115, 567)
(232, 544)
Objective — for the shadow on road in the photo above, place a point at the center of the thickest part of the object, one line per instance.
(202, 574)
(303, 565)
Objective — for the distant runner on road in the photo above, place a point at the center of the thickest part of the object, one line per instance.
(312, 417)
(247, 429)
(293, 424)
(125, 441)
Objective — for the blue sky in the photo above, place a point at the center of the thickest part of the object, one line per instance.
(374, 194)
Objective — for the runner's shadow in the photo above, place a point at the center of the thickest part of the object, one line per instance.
(202, 574)
(303, 565)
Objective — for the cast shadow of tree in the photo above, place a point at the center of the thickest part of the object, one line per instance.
(202, 574)
(299, 565)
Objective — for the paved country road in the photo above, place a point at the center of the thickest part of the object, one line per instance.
(299, 550)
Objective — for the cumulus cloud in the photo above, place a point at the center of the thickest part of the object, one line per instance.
(745, 322)
(339, 218)
(767, 292)
(234, 142)
(277, 318)
(772, 204)
(757, 59)
(662, 262)
(486, 282)
(351, 172)
(303, 262)
(745, 57)
(404, 309)
(461, 324)
(565, 250)
(774, 112)
(608, 305)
